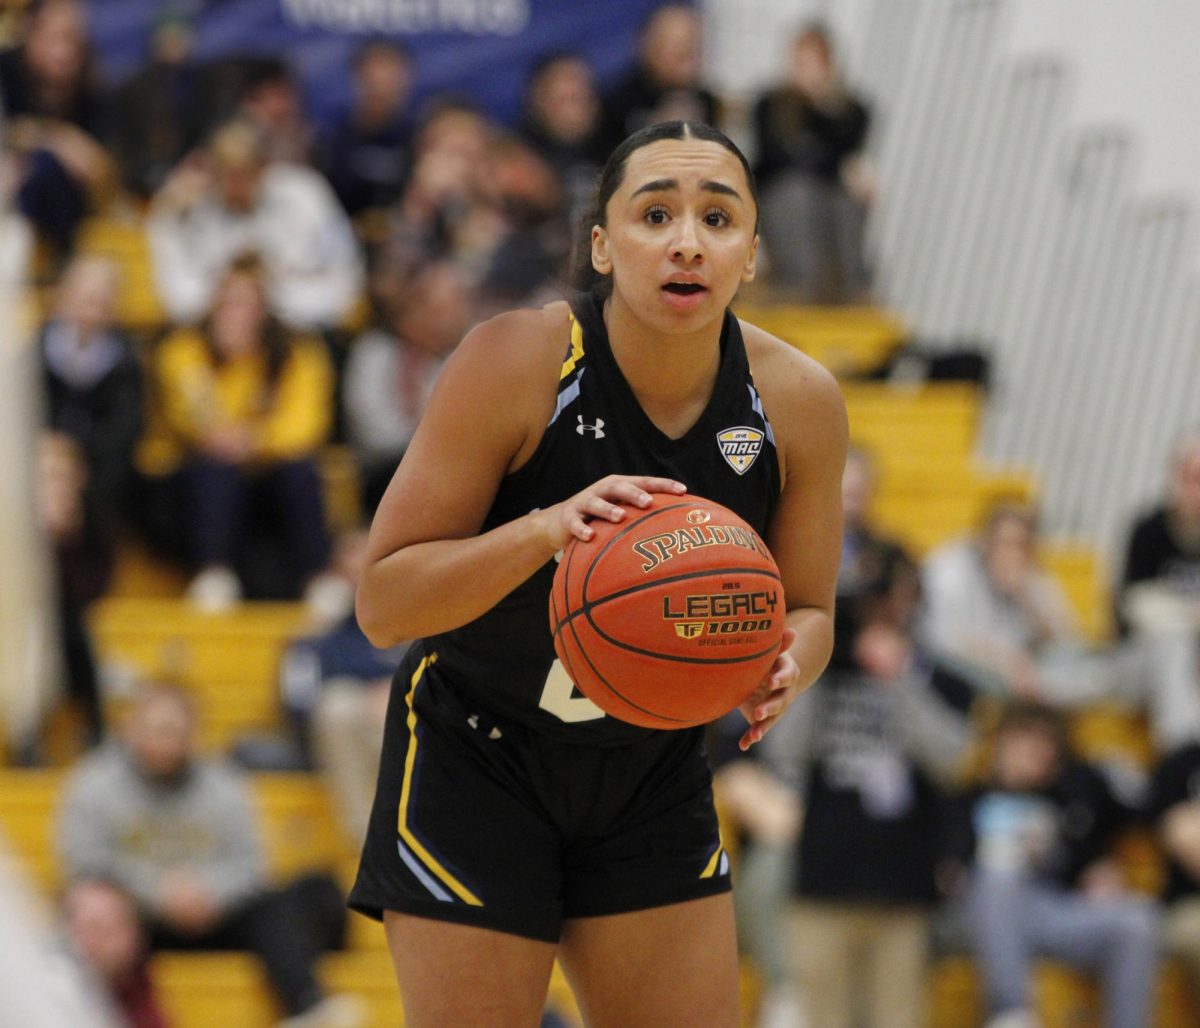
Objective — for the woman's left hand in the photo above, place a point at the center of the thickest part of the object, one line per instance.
(779, 688)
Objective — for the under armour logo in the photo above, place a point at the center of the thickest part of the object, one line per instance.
(583, 428)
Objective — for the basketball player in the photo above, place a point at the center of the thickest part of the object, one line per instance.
(513, 821)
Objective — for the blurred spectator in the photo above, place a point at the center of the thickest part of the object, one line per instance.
(1177, 808)
(872, 747)
(82, 568)
(232, 198)
(365, 154)
(561, 121)
(1160, 590)
(156, 113)
(816, 184)
(528, 264)
(391, 369)
(104, 932)
(243, 407)
(335, 689)
(54, 119)
(271, 101)
(1037, 839)
(1007, 626)
(864, 550)
(447, 209)
(665, 82)
(178, 833)
(764, 814)
(92, 382)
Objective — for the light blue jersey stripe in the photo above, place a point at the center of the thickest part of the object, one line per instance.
(567, 397)
(756, 404)
(423, 876)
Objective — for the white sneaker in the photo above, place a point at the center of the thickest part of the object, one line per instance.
(341, 1011)
(215, 590)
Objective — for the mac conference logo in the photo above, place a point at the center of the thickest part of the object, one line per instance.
(740, 447)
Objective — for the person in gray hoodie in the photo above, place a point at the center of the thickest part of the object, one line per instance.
(178, 832)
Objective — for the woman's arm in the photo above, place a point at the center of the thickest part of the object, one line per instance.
(428, 568)
(808, 417)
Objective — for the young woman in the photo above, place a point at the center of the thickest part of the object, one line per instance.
(514, 822)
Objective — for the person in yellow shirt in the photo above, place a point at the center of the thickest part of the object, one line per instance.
(242, 406)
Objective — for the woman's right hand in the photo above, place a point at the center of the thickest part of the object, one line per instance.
(605, 499)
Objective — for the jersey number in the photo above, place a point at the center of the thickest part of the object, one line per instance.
(557, 698)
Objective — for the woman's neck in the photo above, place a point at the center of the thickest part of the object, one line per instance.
(672, 376)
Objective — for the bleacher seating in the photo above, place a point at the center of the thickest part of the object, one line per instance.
(931, 489)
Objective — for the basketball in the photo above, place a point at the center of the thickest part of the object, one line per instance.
(671, 617)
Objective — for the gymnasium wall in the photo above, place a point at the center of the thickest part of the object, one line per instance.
(1040, 179)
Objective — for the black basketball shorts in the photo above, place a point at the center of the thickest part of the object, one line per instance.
(495, 825)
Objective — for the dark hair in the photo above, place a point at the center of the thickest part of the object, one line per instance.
(584, 277)
(275, 338)
(380, 44)
(1034, 716)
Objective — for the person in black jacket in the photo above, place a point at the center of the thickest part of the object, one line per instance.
(93, 384)
(810, 132)
(1160, 588)
(1036, 836)
(665, 82)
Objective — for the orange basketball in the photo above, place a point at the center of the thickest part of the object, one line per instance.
(669, 618)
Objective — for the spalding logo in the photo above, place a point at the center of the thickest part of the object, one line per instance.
(658, 549)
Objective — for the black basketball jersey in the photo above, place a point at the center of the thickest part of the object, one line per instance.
(504, 661)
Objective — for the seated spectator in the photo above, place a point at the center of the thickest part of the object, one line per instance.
(243, 406)
(156, 113)
(1007, 626)
(177, 832)
(271, 101)
(872, 748)
(529, 262)
(104, 932)
(92, 382)
(447, 209)
(864, 550)
(391, 369)
(231, 198)
(335, 689)
(53, 115)
(365, 154)
(1037, 839)
(81, 569)
(1176, 806)
(561, 121)
(665, 82)
(816, 184)
(1160, 590)
(763, 815)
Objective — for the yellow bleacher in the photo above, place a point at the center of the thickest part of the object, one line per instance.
(932, 488)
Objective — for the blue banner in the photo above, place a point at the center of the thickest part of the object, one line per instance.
(481, 48)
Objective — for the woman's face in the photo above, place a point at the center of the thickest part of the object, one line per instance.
(238, 316)
(680, 237)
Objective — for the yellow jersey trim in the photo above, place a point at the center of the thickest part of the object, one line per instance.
(714, 861)
(576, 349)
(410, 759)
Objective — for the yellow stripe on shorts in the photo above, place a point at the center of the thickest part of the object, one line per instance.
(431, 862)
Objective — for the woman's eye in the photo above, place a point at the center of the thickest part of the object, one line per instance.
(716, 218)
(657, 215)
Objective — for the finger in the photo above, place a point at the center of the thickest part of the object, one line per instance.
(657, 485)
(599, 507)
(580, 529)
